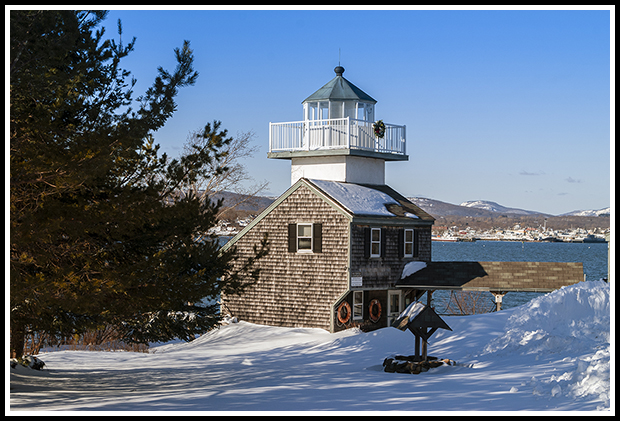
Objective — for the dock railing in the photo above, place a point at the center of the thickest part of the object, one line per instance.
(335, 133)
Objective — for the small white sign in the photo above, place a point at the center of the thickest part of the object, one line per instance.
(356, 281)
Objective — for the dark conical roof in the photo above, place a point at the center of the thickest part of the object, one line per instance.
(339, 89)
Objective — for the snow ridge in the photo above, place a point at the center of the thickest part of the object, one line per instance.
(495, 207)
(572, 321)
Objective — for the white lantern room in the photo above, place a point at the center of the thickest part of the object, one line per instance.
(336, 140)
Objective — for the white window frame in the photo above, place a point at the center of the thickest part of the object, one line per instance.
(299, 237)
(323, 113)
(393, 313)
(410, 243)
(358, 305)
(375, 242)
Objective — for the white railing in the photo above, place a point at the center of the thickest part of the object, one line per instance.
(335, 133)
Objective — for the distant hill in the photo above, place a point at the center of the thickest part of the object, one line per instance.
(254, 204)
(495, 207)
(601, 212)
(437, 208)
(448, 215)
(485, 208)
(474, 209)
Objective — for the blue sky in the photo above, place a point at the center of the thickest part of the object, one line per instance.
(511, 106)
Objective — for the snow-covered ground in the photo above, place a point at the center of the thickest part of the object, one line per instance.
(552, 353)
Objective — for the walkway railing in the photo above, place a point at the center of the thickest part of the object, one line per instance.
(336, 133)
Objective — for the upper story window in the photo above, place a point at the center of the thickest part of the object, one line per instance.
(375, 242)
(408, 245)
(391, 242)
(305, 237)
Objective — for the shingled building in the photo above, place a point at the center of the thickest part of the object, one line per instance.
(340, 238)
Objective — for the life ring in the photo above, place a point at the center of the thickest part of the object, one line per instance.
(345, 308)
(374, 311)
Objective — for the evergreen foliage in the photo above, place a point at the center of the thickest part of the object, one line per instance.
(104, 230)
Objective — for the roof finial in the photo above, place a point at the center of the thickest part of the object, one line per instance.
(339, 70)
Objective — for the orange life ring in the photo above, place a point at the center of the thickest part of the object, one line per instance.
(343, 319)
(374, 311)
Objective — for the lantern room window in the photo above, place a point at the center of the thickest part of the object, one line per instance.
(324, 110)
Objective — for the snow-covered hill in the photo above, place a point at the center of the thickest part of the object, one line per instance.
(551, 354)
(604, 211)
(495, 207)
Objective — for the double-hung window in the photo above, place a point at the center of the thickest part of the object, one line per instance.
(408, 243)
(375, 242)
(304, 237)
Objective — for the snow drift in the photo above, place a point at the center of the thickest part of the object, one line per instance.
(572, 321)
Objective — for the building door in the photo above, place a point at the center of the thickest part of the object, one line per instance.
(395, 305)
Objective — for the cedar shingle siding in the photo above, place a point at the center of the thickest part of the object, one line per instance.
(295, 289)
(382, 272)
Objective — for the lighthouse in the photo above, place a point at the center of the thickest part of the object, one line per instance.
(338, 138)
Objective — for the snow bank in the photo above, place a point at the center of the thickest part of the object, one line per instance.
(552, 353)
(572, 321)
(572, 318)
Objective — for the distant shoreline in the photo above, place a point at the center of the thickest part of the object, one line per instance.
(459, 240)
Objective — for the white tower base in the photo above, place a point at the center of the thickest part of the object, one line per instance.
(343, 168)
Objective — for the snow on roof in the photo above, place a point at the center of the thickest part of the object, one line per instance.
(412, 311)
(359, 200)
(411, 268)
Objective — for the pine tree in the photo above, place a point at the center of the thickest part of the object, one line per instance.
(104, 230)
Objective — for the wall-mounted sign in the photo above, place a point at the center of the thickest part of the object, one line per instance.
(356, 281)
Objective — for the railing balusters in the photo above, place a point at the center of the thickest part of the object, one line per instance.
(335, 134)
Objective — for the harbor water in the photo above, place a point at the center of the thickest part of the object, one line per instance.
(592, 255)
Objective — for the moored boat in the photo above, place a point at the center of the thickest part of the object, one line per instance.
(444, 238)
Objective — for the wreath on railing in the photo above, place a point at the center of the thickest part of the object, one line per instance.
(379, 128)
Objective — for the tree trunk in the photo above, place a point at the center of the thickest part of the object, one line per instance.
(17, 340)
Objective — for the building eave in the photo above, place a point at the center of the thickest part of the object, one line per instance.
(390, 221)
(386, 156)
